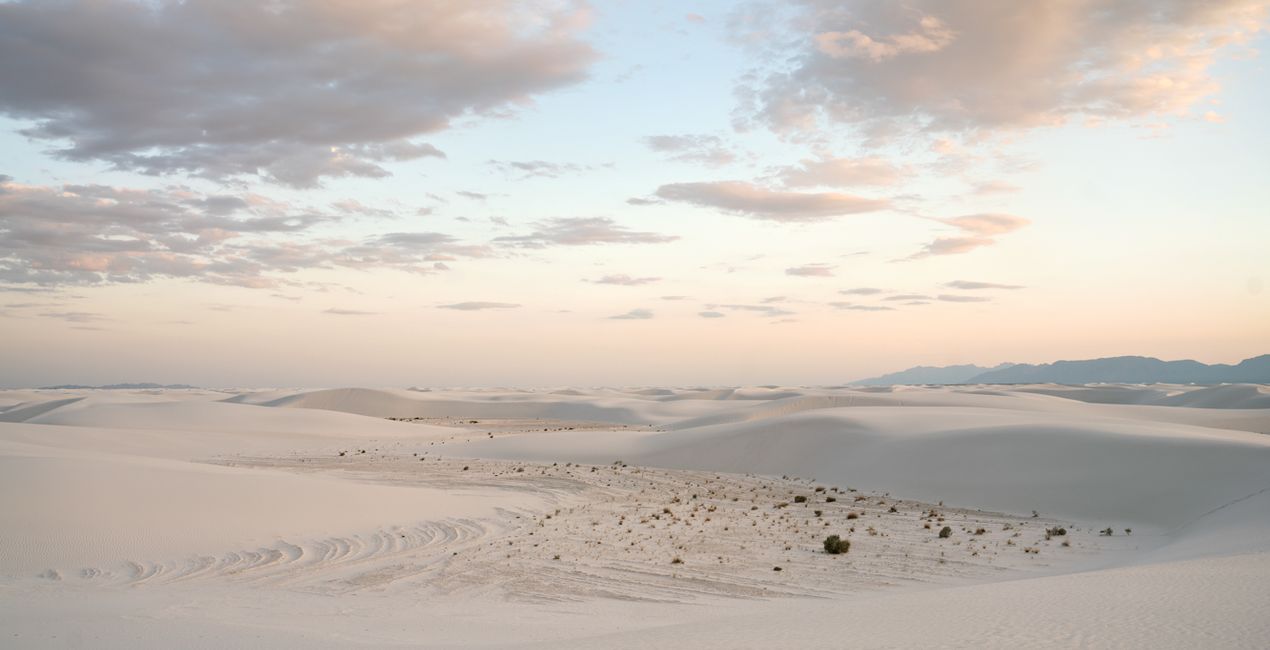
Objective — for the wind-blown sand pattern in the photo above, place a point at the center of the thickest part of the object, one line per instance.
(636, 518)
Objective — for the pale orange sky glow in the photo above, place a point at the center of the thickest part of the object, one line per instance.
(540, 194)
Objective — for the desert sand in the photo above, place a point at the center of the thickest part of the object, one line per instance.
(640, 517)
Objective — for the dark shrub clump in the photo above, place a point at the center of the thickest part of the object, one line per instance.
(945, 532)
(835, 545)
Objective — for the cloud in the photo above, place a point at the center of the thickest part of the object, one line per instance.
(625, 280)
(750, 200)
(987, 224)
(969, 66)
(336, 311)
(89, 234)
(840, 172)
(477, 305)
(634, 314)
(765, 310)
(674, 297)
(987, 188)
(853, 307)
(705, 149)
(634, 200)
(475, 196)
(930, 36)
(582, 231)
(980, 230)
(538, 168)
(293, 91)
(811, 270)
(74, 316)
(711, 314)
(907, 296)
(953, 298)
(861, 291)
(968, 285)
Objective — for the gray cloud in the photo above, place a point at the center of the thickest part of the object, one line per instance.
(937, 64)
(711, 314)
(582, 231)
(642, 202)
(294, 91)
(538, 168)
(478, 305)
(907, 296)
(954, 298)
(811, 270)
(765, 310)
(968, 285)
(705, 149)
(853, 307)
(634, 314)
(750, 200)
(74, 316)
(336, 311)
(625, 280)
(861, 291)
(88, 234)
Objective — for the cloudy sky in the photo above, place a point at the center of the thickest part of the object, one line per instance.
(487, 192)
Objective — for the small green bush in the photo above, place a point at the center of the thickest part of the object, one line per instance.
(945, 532)
(835, 545)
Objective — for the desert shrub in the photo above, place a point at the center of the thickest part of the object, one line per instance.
(945, 532)
(1056, 531)
(830, 499)
(835, 545)
(1107, 532)
(800, 499)
(853, 515)
(676, 561)
(893, 509)
(819, 512)
(980, 531)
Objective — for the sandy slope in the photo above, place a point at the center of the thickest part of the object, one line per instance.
(309, 519)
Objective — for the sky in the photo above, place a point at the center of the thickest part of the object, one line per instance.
(548, 193)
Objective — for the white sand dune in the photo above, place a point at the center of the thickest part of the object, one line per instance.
(497, 518)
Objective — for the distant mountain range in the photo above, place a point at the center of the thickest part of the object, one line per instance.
(116, 387)
(931, 375)
(1115, 370)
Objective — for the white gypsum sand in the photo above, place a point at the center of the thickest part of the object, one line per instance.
(636, 518)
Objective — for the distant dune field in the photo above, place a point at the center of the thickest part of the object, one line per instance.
(649, 517)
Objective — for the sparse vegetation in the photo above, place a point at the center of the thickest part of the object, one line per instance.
(945, 532)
